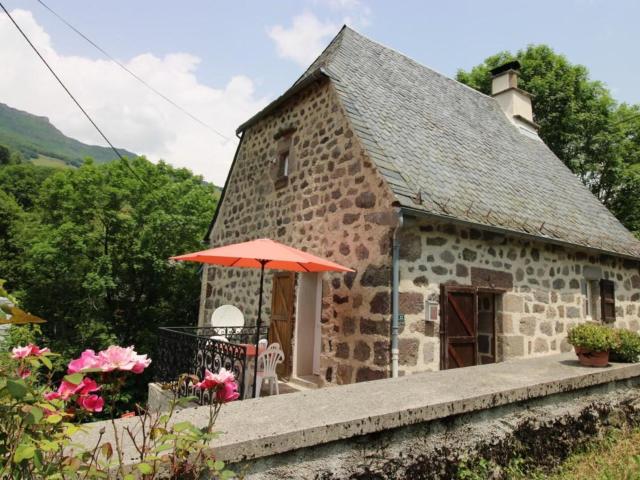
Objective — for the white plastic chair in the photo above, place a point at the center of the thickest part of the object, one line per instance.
(262, 345)
(268, 360)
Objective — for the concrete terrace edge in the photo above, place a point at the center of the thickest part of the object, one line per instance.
(365, 424)
(253, 429)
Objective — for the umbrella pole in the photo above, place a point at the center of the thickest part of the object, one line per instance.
(258, 325)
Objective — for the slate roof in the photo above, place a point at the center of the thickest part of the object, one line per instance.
(448, 150)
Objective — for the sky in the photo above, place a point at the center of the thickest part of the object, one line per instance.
(224, 61)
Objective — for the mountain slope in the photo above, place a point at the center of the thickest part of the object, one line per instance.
(35, 137)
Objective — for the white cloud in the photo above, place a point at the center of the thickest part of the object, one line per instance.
(132, 117)
(305, 39)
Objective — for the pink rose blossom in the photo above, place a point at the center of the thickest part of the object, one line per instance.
(51, 396)
(91, 403)
(24, 372)
(88, 359)
(67, 389)
(124, 359)
(30, 350)
(227, 392)
(223, 382)
(211, 380)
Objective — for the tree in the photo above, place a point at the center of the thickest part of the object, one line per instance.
(95, 264)
(598, 139)
(5, 155)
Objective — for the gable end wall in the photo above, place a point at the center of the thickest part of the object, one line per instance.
(334, 205)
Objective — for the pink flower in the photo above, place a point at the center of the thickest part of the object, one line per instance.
(227, 392)
(211, 380)
(124, 359)
(24, 372)
(30, 350)
(51, 396)
(223, 382)
(67, 389)
(87, 385)
(91, 403)
(88, 359)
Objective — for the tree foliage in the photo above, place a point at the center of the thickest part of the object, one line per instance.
(87, 249)
(597, 138)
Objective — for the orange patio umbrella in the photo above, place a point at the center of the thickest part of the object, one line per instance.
(263, 253)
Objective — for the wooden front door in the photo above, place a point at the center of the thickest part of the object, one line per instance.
(459, 327)
(282, 319)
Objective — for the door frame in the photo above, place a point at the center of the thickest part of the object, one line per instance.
(444, 308)
(308, 288)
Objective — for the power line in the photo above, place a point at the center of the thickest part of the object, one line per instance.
(625, 120)
(124, 67)
(124, 160)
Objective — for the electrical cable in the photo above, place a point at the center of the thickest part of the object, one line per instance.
(124, 160)
(126, 69)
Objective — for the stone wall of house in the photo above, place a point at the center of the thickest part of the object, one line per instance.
(334, 205)
(544, 293)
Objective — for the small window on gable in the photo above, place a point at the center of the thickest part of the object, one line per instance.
(608, 300)
(283, 160)
(591, 292)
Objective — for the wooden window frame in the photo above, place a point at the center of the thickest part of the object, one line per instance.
(283, 159)
(607, 300)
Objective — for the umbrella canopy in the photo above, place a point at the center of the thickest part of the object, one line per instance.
(271, 254)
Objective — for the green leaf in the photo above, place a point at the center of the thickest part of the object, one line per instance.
(107, 450)
(74, 378)
(34, 415)
(218, 465)
(129, 476)
(24, 452)
(47, 362)
(145, 468)
(54, 418)
(17, 388)
(227, 474)
(181, 426)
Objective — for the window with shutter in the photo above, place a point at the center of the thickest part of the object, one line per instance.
(283, 160)
(607, 300)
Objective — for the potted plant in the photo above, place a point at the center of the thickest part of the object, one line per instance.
(626, 346)
(592, 343)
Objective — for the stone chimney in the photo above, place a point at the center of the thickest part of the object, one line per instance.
(515, 103)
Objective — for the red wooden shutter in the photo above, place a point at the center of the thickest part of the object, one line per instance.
(459, 339)
(608, 300)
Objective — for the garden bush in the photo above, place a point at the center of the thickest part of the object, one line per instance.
(38, 420)
(592, 336)
(626, 346)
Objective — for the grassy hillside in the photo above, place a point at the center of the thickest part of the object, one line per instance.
(36, 138)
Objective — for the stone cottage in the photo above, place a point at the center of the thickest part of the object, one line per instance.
(471, 241)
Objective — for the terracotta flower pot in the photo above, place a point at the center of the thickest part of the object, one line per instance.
(589, 358)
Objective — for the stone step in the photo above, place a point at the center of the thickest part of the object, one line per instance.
(307, 382)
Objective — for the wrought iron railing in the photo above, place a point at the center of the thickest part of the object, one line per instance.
(191, 350)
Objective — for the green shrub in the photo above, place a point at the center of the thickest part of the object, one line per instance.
(626, 347)
(592, 336)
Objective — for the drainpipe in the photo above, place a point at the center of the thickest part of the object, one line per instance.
(395, 297)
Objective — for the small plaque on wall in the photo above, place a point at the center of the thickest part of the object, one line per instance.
(432, 311)
(431, 322)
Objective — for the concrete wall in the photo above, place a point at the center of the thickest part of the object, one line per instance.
(334, 205)
(424, 423)
(544, 296)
